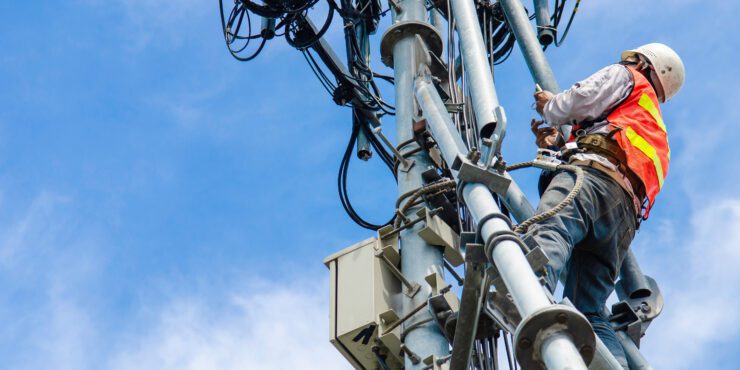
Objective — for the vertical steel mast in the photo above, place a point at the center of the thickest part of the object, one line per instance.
(418, 259)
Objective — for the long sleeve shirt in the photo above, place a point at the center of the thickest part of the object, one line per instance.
(591, 100)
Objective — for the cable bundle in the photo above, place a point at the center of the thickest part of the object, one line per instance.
(355, 86)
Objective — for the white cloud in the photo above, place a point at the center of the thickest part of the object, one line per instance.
(47, 262)
(52, 257)
(35, 229)
(702, 288)
(272, 326)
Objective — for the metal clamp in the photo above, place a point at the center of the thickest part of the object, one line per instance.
(428, 34)
(437, 232)
(501, 236)
(468, 172)
(634, 314)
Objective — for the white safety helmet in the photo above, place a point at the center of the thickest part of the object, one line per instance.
(666, 65)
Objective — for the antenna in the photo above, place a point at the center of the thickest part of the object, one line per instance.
(391, 306)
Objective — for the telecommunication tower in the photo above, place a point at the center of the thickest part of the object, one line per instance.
(391, 305)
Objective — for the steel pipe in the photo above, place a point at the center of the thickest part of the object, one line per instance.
(538, 66)
(558, 352)
(545, 32)
(418, 259)
(517, 202)
(449, 141)
(603, 359)
(527, 40)
(635, 359)
(467, 320)
(476, 64)
(633, 280)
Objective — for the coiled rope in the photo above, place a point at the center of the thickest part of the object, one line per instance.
(524, 226)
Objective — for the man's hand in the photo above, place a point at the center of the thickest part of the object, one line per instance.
(545, 136)
(541, 98)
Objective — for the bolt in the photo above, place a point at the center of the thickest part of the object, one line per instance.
(561, 318)
(587, 351)
(525, 343)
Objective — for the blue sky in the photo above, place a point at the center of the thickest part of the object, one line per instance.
(163, 206)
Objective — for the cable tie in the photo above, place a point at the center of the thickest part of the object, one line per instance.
(504, 235)
(488, 217)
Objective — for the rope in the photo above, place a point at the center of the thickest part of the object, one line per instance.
(524, 226)
(517, 166)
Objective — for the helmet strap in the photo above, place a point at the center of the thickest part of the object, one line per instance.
(656, 85)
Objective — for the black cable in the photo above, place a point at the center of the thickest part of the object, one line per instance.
(254, 55)
(342, 183)
(238, 12)
(327, 87)
(322, 76)
(296, 21)
(502, 54)
(560, 41)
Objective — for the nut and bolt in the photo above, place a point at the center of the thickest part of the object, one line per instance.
(561, 318)
(525, 343)
(587, 351)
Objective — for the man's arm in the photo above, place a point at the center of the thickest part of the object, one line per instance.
(588, 99)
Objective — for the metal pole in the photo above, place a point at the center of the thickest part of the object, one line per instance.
(544, 28)
(634, 357)
(539, 68)
(513, 267)
(418, 259)
(559, 343)
(476, 64)
(633, 280)
(364, 149)
(467, 319)
(603, 359)
(527, 40)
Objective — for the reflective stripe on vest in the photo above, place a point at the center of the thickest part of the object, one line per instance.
(647, 104)
(640, 143)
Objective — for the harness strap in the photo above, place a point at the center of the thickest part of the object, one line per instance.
(605, 146)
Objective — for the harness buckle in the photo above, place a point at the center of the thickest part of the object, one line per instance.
(569, 150)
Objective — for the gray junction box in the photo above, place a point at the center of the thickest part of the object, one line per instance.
(365, 300)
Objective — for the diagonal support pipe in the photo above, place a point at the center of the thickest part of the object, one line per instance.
(538, 66)
(507, 256)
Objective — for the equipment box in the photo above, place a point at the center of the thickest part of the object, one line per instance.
(365, 299)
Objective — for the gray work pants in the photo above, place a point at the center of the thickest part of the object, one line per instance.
(589, 239)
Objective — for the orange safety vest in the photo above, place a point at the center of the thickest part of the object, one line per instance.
(643, 136)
